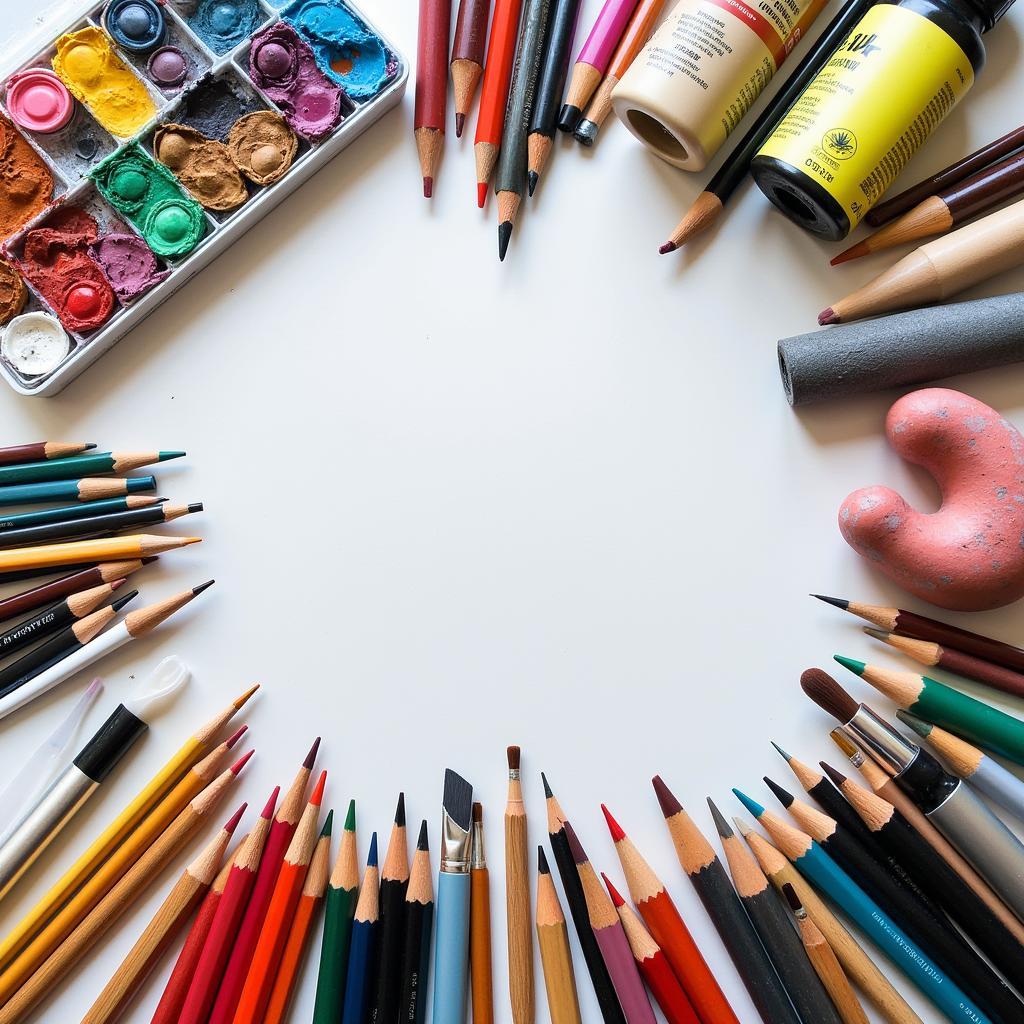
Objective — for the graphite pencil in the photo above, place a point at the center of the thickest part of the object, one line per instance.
(83, 510)
(394, 881)
(419, 923)
(153, 513)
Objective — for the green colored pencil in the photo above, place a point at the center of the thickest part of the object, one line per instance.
(942, 705)
(85, 489)
(342, 895)
(87, 509)
(81, 465)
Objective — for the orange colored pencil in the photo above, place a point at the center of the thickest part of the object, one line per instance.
(312, 896)
(266, 959)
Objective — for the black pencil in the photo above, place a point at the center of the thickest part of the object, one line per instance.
(902, 841)
(923, 919)
(394, 881)
(769, 917)
(97, 526)
(607, 1001)
(702, 866)
(419, 922)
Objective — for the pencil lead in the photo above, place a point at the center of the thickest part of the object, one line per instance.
(669, 804)
(613, 826)
(241, 762)
(167, 456)
(481, 194)
(853, 253)
(612, 891)
(318, 791)
(877, 634)
(836, 602)
(542, 862)
(240, 702)
(751, 805)
(328, 823)
(719, 819)
(268, 808)
(311, 756)
(568, 117)
(122, 601)
(856, 667)
(232, 822)
(785, 757)
(547, 789)
(531, 182)
(195, 506)
(149, 559)
(116, 584)
(575, 847)
(236, 736)
(428, 188)
(504, 237)
(350, 818)
(422, 842)
(742, 827)
(460, 123)
(400, 811)
(785, 798)
(919, 725)
(836, 776)
(196, 591)
(88, 447)
(371, 856)
(828, 316)
(668, 247)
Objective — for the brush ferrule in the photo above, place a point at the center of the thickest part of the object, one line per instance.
(477, 858)
(881, 741)
(513, 775)
(455, 844)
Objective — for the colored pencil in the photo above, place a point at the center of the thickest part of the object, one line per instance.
(84, 510)
(517, 897)
(431, 108)
(134, 625)
(708, 206)
(192, 762)
(607, 1001)
(202, 988)
(633, 40)
(101, 525)
(935, 655)
(480, 968)
(44, 818)
(555, 955)
(825, 963)
(651, 962)
(768, 915)
(57, 616)
(955, 173)
(554, 70)
(20, 1000)
(816, 865)
(86, 489)
(301, 928)
(917, 913)
(362, 957)
(884, 786)
(513, 160)
(668, 929)
(342, 894)
(419, 923)
(18, 453)
(891, 1006)
(593, 60)
(942, 705)
(897, 836)
(490, 121)
(988, 776)
(904, 623)
(946, 210)
(37, 597)
(104, 549)
(451, 944)
(701, 865)
(611, 939)
(394, 881)
(278, 841)
(172, 1000)
(81, 465)
(156, 938)
(468, 56)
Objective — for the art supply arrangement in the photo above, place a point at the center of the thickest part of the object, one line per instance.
(148, 137)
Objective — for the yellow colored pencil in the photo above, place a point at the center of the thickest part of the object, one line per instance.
(102, 549)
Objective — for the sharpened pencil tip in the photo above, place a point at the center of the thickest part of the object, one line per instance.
(547, 788)
(837, 777)
(613, 826)
(149, 559)
(542, 862)
(668, 247)
(669, 804)
(196, 591)
(117, 583)
(428, 188)
(318, 790)
(328, 823)
(232, 822)
(236, 736)
(371, 856)
(350, 817)
(242, 761)
(195, 506)
(919, 725)
(460, 123)
(575, 846)
(481, 194)
(853, 253)
(504, 237)
(783, 796)
(239, 702)
(836, 602)
(741, 826)
(88, 447)
(751, 805)
(612, 891)
(268, 807)
(719, 819)
(856, 667)
(122, 601)
(400, 811)
(785, 757)
(311, 756)
(422, 843)
(828, 316)
(877, 634)
(167, 456)
(531, 182)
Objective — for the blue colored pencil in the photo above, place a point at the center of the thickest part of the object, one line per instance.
(86, 489)
(362, 954)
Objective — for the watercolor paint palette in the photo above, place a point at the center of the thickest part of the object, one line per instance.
(144, 139)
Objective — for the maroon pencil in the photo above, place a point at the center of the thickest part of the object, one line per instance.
(468, 56)
(431, 86)
(41, 451)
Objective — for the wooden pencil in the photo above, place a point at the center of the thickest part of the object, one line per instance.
(14, 454)
(468, 56)
(653, 966)
(875, 985)
(947, 209)
(104, 549)
(824, 961)
(266, 957)
(419, 923)
(607, 1001)
(202, 987)
(701, 865)
(394, 881)
(156, 938)
(64, 957)
(154, 513)
(301, 928)
(431, 107)
(83, 510)
(72, 467)
(342, 894)
(611, 939)
(480, 967)
(956, 172)
(668, 929)
(555, 955)
(278, 841)
(517, 897)
(85, 489)
(768, 915)
(362, 958)
(187, 757)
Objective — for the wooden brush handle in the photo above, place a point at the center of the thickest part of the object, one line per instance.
(520, 931)
(480, 946)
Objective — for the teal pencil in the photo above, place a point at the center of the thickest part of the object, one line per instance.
(87, 489)
(85, 510)
(77, 466)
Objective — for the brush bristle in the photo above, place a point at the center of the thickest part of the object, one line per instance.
(458, 799)
(514, 754)
(478, 812)
(828, 694)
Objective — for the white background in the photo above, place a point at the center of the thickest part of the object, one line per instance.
(454, 504)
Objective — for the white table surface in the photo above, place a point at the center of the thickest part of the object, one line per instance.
(454, 504)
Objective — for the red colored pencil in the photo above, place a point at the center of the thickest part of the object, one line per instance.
(278, 841)
(302, 928)
(653, 965)
(252, 1004)
(669, 931)
(39, 451)
(202, 989)
(431, 110)
(468, 55)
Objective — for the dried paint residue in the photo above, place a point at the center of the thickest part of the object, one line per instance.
(12, 292)
(26, 184)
